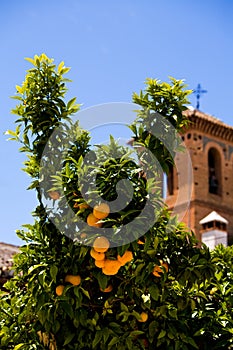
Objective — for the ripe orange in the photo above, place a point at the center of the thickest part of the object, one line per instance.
(126, 257)
(83, 205)
(59, 290)
(93, 221)
(99, 263)
(97, 255)
(140, 242)
(75, 280)
(101, 211)
(101, 244)
(54, 195)
(157, 271)
(107, 289)
(144, 317)
(111, 267)
(83, 235)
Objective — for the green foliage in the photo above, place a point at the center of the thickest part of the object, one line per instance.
(187, 306)
(160, 119)
(40, 110)
(169, 100)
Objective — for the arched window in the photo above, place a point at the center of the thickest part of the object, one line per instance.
(170, 181)
(214, 167)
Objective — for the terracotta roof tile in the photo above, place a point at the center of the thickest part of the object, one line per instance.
(209, 124)
(195, 112)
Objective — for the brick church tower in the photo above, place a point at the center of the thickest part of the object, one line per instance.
(210, 145)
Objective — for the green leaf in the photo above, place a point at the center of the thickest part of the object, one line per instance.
(68, 309)
(97, 338)
(19, 346)
(134, 333)
(34, 267)
(152, 327)
(71, 102)
(60, 66)
(26, 140)
(19, 89)
(173, 313)
(191, 342)
(106, 334)
(69, 338)
(195, 258)
(102, 280)
(201, 294)
(10, 132)
(65, 70)
(53, 272)
(114, 341)
(124, 307)
(31, 60)
(162, 334)
(156, 242)
(154, 292)
(139, 268)
(85, 292)
(128, 343)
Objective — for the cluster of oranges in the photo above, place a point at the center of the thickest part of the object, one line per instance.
(159, 269)
(109, 266)
(100, 212)
(75, 280)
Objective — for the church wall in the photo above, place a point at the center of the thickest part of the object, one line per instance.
(207, 141)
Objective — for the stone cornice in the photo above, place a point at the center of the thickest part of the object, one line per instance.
(209, 125)
(205, 203)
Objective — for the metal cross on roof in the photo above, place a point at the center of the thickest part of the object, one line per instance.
(198, 92)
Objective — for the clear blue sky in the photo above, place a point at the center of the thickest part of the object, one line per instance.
(112, 47)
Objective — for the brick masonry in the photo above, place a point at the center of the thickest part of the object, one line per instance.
(210, 143)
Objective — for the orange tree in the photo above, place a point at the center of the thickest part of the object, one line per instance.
(90, 289)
